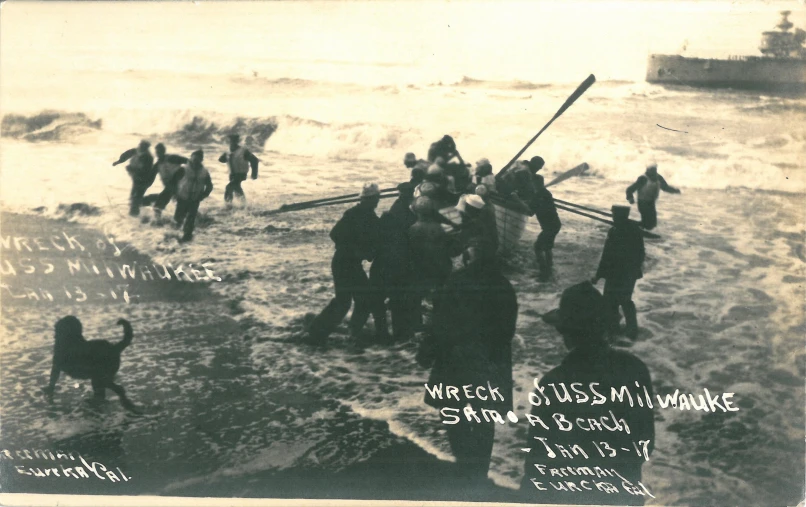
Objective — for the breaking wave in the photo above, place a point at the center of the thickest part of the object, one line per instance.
(48, 126)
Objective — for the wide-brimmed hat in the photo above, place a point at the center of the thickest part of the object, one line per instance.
(474, 201)
(410, 157)
(582, 310)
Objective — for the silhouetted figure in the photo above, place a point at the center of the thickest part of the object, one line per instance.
(141, 171)
(471, 343)
(648, 186)
(97, 360)
(167, 167)
(193, 185)
(391, 271)
(356, 239)
(620, 266)
(445, 149)
(581, 322)
(542, 205)
(484, 175)
(418, 168)
(239, 159)
(519, 179)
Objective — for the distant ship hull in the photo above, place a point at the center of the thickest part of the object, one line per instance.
(751, 73)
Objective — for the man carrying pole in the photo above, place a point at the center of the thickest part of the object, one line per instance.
(542, 204)
(356, 239)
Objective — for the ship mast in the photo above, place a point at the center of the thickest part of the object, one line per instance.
(783, 43)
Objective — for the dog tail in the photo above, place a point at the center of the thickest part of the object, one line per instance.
(128, 334)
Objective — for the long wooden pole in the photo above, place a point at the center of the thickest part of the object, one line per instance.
(343, 200)
(574, 96)
(571, 210)
(296, 205)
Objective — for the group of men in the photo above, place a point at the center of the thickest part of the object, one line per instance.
(475, 307)
(184, 179)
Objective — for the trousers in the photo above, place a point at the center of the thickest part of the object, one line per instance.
(234, 187)
(351, 285)
(185, 215)
(618, 294)
(649, 215)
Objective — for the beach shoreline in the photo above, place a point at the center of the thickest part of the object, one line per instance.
(383, 469)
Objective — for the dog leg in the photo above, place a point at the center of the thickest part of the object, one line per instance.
(124, 400)
(99, 388)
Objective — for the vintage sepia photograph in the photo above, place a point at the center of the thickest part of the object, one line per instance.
(423, 251)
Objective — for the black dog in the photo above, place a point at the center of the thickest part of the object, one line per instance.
(97, 360)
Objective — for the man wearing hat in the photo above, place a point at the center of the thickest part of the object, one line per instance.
(238, 160)
(648, 186)
(620, 266)
(542, 205)
(390, 274)
(141, 171)
(484, 174)
(356, 239)
(591, 367)
(418, 168)
(479, 229)
(471, 344)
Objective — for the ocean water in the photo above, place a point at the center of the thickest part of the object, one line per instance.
(331, 95)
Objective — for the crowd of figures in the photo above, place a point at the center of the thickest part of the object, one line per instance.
(466, 338)
(467, 341)
(183, 179)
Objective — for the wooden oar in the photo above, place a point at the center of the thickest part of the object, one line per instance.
(598, 212)
(343, 200)
(296, 205)
(571, 210)
(574, 96)
(576, 171)
(604, 213)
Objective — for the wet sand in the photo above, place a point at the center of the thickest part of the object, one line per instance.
(208, 409)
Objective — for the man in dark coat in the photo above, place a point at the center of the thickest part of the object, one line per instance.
(591, 367)
(648, 186)
(471, 343)
(390, 274)
(141, 171)
(542, 205)
(620, 266)
(356, 239)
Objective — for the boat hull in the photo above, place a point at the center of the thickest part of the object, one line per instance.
(510, 222)
(786, 75)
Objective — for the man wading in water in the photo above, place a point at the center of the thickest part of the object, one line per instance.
(141, 171)
(356, 239)
(648, 186)
(238, 159)
(193, 185)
